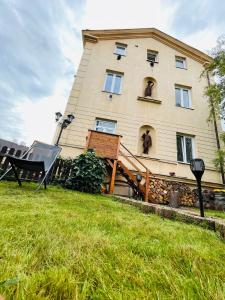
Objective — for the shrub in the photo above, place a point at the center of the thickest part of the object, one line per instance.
(87, 173)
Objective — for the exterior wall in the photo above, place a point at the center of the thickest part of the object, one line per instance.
(88, 102)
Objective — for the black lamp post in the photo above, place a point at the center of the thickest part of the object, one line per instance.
(63, 123)
(197, 168)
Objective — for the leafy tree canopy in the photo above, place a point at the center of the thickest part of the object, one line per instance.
(216, 90)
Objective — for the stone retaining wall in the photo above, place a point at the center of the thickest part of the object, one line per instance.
(213, 200)
(177, 214)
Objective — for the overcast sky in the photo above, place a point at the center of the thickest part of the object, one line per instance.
(41, 47)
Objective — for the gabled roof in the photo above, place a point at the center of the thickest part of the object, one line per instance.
(115, 34)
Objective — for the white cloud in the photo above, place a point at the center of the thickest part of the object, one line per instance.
(127, 14)
(205, 39)
(39, 117)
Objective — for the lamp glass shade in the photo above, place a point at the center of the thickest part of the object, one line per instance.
(139, 177)
(58, 115)
(70, 117)
(197, 165)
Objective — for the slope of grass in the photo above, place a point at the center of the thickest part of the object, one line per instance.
(211, 213)
(60, 244)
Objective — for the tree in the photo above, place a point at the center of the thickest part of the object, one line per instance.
(216, 95)
(216, 90)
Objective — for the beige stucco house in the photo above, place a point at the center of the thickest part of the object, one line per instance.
(108, 95)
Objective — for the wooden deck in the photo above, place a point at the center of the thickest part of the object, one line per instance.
(109, 147)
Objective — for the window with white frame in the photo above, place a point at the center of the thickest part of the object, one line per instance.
(181, 62)
(183, 96)
(152, 56)
(120, 49)
(185, 148)
(113, 82)
(105, 126)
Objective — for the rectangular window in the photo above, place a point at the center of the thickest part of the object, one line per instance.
(184, 148)
(120, 49)
(105, 126)
(113, 83)
(152, 56)
(180, 62)
(183, 96)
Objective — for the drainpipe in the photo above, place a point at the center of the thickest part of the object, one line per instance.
(216, 131)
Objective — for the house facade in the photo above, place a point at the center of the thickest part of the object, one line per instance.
(133, 80)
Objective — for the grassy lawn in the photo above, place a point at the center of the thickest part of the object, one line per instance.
(211, 213)
(59, 244)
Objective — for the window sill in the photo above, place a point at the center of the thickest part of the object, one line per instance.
(185, 107)
(119, 54)
(181, 68)
(111, 93)
(183, 163)
(151, 61)
(149, 99)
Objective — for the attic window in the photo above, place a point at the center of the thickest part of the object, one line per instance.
(181, 62)
(152, 56)
(120, 49)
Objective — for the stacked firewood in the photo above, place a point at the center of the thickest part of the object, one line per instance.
(160, 192)
(186, 196)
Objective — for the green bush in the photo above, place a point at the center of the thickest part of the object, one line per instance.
(87, 173)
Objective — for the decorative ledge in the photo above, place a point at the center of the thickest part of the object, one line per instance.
(148, 99)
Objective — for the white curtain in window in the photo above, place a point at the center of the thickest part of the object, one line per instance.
(105, 126)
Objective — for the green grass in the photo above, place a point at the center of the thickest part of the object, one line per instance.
(211, 213)
(60, 244)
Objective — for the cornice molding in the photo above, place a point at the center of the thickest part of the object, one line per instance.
(116, 34)
(90, 38)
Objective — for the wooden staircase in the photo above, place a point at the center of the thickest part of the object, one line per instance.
(120, 159)
(139, 188)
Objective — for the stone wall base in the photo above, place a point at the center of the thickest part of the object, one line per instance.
(177, 214)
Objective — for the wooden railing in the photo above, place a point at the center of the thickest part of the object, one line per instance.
(146, 174)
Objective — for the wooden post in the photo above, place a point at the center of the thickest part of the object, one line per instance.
(88, 140)
(112, 182)
(147, 186)
(118, 147)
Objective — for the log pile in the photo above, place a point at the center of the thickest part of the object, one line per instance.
(160, 192)
(186, 196)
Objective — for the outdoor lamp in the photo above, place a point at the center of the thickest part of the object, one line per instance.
(197, 167)
(63, 123)
(70, 117)
(58, 115)
(139, 178)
